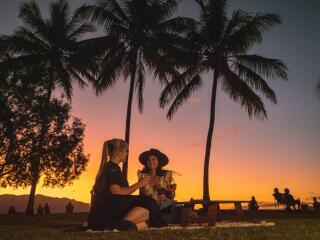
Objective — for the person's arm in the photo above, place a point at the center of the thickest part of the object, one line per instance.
(117, 190)
(171, 188)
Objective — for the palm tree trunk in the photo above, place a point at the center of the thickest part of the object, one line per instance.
(35, 162)
(128, 118)
(206, 195)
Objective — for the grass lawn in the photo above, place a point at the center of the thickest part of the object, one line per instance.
(58, 226)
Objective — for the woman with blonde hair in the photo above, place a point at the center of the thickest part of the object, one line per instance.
(112, 206)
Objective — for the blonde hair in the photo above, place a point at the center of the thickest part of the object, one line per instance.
(109, 148)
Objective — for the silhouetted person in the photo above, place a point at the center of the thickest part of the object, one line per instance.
(278, 196)
(12, 210)
(46, 209)
(316, 204)
(290, 201)
(40, 210)
(69, 208)
(253, 204)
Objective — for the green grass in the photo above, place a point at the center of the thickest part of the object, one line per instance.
(58, 226)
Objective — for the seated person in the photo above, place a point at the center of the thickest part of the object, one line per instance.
(316, 204)
(290, 201)
(278, 196)
(162, 187)
(112, 205)
(253, 205)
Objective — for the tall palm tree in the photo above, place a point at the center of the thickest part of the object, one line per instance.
(221, 45)
(138, 33)
(54, 45)
(318, 87)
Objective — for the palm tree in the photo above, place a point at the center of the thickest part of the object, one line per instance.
(318, 87)
(53, 45)
(138, 33)
(221, 45)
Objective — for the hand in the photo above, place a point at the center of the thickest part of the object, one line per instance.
(145, 181)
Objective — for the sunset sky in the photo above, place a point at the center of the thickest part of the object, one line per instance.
(248, 157)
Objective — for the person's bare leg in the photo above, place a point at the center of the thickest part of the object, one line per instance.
(137, 215)
(142, 226)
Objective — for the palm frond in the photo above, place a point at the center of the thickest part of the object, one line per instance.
(26, 33)
(115, 7)
(184, 95)
(245, 30)
(164, 9)
(59, 14)
(178, 25)
(240, 92)
(255, 81)
(112, 67)
(177, 85)
(30, 14)
(20, 45)
(82, 29)
(63, 79)
(268, 67)
(99, 15)
(215, 22)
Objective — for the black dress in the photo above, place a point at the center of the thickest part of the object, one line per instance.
(107, 209)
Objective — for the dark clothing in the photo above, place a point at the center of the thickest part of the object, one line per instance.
(106, 208)
(316, 206)
(46, 209)
(290, 201)
(278, 197)
(253, 205)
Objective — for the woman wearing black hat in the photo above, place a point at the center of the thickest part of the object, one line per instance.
(161, 187)
(112, 206)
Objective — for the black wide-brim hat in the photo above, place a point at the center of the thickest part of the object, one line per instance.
(162, 158)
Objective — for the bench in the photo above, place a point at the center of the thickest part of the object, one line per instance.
(209, 216)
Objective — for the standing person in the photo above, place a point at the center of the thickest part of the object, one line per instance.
(161, 187)
(40, 210)
(46, 209)
(69, 208)
(112, 206)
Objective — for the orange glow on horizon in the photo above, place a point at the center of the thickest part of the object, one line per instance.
(245, 160)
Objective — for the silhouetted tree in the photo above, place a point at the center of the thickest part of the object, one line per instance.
(222, 45)
(15, 98)
(138, 33)
(62, 160)
(53, 45)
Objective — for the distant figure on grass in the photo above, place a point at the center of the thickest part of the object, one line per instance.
(290, 201)
(12, 210)
(40, 210)
(253, 204)
(316, 204)
(46, 209)
(69, 208)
